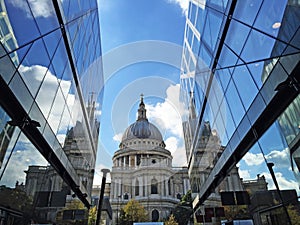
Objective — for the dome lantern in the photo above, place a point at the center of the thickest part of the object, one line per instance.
(142, 128)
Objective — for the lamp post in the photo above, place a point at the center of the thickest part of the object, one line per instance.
(119, 196)
(104, 171)
(270, 167)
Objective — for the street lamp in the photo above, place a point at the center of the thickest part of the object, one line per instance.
(270, 167)
(104, 171)
(119, 196)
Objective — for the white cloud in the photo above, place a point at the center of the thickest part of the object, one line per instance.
(245, 174)
(280, 158)
(118, 137)
(168, 113)
(25, 156)
(33, 76)
(283, 183)
(184, 5)
(253, 159)
(40, 8)
(99, 175)
(171, 144)
(179, 157)
(177, 150)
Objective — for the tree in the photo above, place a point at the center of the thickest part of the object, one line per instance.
(294, 215)
(183, 210)
(74, 204)
(236, 212)
(171, 221)
(92, 215)
(133, 211)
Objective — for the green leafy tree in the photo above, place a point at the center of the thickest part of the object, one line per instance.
(236, 212)
(294, 215)
(183, 210)
(92, 215)
(133, 211)
(75, 204)
(17, 199)
(171, 221)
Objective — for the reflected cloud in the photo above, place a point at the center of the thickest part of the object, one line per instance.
(283, 182)
(280, 158)
(41, 8)
(24, 156)
(184, 5)
(253, 159)
(245, 174)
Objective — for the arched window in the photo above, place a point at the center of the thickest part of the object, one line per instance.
(169, 186)
(137, 187)
(154, 186)
(155, 215)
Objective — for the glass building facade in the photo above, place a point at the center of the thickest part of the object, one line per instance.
(51, 89)
(240, 74)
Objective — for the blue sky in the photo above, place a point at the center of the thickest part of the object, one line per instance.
(141, 46)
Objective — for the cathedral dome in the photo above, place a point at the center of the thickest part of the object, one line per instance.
(142, 128)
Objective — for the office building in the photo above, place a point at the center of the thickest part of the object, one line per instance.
(51, 89)
(240, 73)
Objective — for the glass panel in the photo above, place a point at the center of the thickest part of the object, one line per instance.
(36, 114)
(228, 120)
(205, 56)
(234, 103)
(34, 66)
(227, 58)
(275, 150)
(23, 155)
(63, 126)
(21, 92)
(66, 81)
(23, 25)
(7, 68)
(223, 76)
(289, 62)
(270, 23)
(277, 76)
(245, 85)
(256, 108)
(246, 10)
(258, 46)
(256, 71)
(236, 36)
(47, 93)
(193, 13)
(7, 148)
(219, 129)
(244, 127)
(289, 121)
(200, 19)
(212, 28)
(195, 46)
(56, 111)
(44, 15)
(52, 41)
